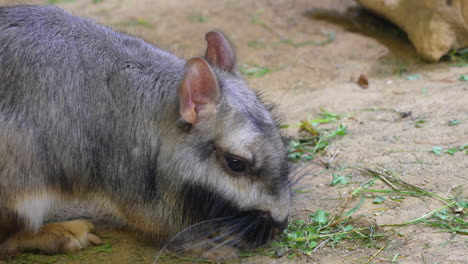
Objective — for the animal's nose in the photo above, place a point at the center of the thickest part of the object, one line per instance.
(279, 227)
(282, 225)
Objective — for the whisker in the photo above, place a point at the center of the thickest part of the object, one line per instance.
(232, 241)
(270, 235)
(240, 235)
(190, 228)
(185, 242)
(294, 180)
(296, 170)
(220, 238)
(297, 174)
(222, 235)
(260, 237)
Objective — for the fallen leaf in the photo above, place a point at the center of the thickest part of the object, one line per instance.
(437, 150)
(405, 114)
(414, 77)
(363, 82)
(306, 126)
(453, 122)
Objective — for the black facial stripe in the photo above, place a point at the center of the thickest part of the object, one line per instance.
(259, 123)
(150, 186)
(205, 149)
(199, 204)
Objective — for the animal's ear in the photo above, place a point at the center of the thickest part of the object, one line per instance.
(198, 91)
(219, 52)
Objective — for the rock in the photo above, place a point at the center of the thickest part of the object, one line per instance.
(433, 26)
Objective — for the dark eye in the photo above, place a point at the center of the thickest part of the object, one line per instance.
(236, 165)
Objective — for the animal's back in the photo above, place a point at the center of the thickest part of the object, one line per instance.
(47, 61)
(43, 45)
(71, 92)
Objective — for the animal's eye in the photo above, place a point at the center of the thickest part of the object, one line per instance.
(235, 164)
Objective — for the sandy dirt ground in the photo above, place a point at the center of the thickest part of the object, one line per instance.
(306, 78)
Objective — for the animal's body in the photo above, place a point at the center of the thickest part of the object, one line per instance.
(88, 113)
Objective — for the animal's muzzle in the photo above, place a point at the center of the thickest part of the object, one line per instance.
(261, 228)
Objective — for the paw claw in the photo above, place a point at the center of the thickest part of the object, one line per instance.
(95, 240)
(78, 234)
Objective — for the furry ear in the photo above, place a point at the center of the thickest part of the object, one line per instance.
(219, 52)
(198, 91)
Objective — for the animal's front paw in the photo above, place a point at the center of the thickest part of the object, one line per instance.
(71, 235)
(53, 238)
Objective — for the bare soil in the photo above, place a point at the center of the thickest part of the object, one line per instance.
(302, 80)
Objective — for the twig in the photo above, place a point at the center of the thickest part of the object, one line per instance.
(419, 219)
(337, 221)
(321, 162)
(411, 222)
(143, 256)
(353, 214)
(321, 245)
(387, 177)
(454, 186)
(383, 178)
(332, 158)
(377, 253)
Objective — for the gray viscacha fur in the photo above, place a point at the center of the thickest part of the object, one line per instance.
(88, 113)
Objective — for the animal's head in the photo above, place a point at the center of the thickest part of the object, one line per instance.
(228, 157)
